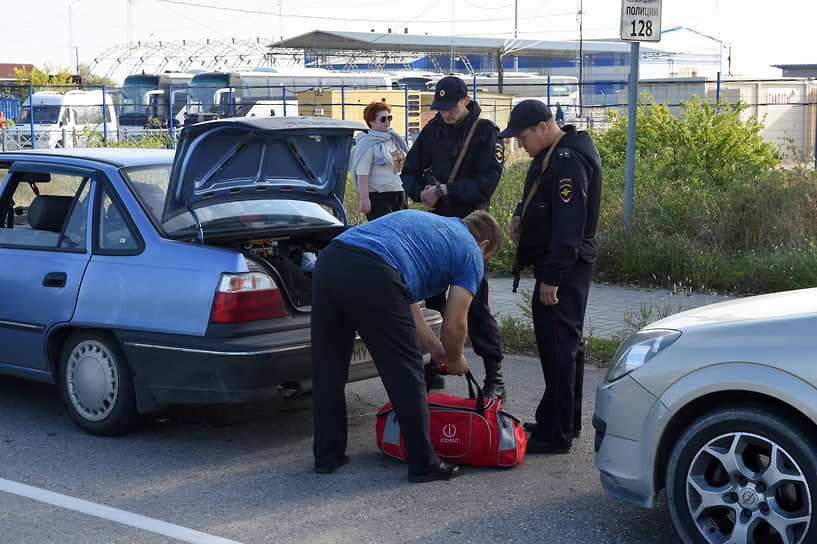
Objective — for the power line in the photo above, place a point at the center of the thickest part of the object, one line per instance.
(341, 19)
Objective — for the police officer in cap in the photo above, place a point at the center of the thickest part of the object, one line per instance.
(554, 227)
(454, 167)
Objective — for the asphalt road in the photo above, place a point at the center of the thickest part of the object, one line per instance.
(244, 473)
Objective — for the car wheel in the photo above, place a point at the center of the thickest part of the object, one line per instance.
(743, 474)
(96, 384)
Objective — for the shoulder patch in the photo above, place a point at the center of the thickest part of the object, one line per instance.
(566, 190)
(499, 152)
(564, 153)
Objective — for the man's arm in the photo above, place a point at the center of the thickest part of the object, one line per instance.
(413, 167)
(455, 328)
(428, 340)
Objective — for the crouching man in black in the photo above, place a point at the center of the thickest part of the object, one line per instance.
(369, 279)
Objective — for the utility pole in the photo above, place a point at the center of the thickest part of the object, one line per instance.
(129, 32)
(71, 51)
(581, 54)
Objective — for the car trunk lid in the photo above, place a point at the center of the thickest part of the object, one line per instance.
(255, 158)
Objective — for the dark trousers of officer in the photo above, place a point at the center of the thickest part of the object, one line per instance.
(558, 332)
(482, 328)
(386, 202)
(354, 289)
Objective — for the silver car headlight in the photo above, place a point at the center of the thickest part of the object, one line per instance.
(638, 349)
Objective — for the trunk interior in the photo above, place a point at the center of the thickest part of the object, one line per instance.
(291, 261)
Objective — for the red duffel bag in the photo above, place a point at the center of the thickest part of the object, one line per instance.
(473, 431)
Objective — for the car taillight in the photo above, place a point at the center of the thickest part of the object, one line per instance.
(247, 297)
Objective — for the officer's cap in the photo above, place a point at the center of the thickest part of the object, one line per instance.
(450, 90)
(526, 114)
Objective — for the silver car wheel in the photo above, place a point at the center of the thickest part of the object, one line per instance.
(742, 487)
(92, 380)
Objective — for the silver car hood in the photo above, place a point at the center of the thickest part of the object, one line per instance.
(786, 304)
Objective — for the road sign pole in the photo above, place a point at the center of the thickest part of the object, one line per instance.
(632, 114)
(640, 22)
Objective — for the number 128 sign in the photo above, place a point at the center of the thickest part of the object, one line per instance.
(641, 20)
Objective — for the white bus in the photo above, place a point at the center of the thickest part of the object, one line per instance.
(267, 92)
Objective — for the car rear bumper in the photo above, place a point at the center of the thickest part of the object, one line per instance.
(177, 369)
(169, 369)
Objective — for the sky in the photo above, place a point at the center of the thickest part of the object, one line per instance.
(58, 31)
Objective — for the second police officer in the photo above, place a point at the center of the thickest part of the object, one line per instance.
(454, 167)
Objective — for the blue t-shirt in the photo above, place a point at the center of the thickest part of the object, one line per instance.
(431, 252)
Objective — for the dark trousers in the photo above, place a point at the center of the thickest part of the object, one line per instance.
(482, 328)
(354, 289)
(558, 332)
(383, 203)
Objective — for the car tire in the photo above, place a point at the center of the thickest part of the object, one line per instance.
(96, 383)
(743, 474)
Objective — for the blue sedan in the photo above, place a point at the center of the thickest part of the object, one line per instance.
(135, 278)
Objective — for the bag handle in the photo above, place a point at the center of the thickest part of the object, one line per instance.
(472, 382)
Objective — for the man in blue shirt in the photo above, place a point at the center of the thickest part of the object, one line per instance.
(370, 279)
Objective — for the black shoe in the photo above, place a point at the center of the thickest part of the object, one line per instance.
(437, 382)
(494, 390)
(327, 469)
(440, 471)
(542, 446)
(532, 426)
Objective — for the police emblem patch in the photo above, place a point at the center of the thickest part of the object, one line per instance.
(499, 152)
(566, 190)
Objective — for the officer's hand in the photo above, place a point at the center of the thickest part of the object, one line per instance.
(516, 222)
(429, 196)
(547, 294)
(457, 368)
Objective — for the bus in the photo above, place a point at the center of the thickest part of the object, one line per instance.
(267, 92)
(522, 85)
(148, 96)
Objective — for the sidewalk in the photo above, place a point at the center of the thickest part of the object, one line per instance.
(607, 306)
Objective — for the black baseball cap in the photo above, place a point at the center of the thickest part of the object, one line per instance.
(450, 90)
(526, 114)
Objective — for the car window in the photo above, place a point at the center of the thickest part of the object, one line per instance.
(45, 210)
(114, 234)
(74, 235)
(149, 183)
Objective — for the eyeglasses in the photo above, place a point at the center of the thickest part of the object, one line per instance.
(385, 118)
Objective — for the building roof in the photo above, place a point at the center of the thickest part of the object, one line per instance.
(370, 41)
(7, 69)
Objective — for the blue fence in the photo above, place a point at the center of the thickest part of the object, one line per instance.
(10, 106)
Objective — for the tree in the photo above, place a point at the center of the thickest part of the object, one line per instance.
(49, 75)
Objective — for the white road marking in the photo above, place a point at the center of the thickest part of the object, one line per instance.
(113, 514)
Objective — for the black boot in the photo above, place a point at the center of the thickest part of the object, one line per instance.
(494, 382)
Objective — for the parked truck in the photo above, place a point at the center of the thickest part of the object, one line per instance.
(56, 119)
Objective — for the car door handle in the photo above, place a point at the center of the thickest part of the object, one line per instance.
(54, 279)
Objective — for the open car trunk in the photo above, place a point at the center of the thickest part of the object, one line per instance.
(290, 261)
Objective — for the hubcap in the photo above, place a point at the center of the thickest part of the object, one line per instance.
(743, 487)
(92, 380)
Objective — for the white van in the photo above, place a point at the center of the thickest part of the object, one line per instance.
(61, 118)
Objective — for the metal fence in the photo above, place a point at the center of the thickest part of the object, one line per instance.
(786, 107)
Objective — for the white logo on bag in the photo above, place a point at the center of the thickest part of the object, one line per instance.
(450, 433)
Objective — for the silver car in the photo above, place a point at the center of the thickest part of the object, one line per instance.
(718, 405)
